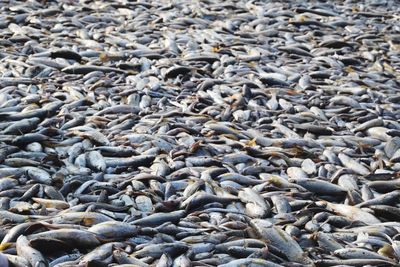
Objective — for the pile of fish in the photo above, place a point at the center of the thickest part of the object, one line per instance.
(199, 133)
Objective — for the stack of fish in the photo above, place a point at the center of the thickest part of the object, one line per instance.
(199, 133)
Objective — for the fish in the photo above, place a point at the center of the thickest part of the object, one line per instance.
(199, 133)
(281, 240)
(70, 236)
(113, 229)
(33, 256)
